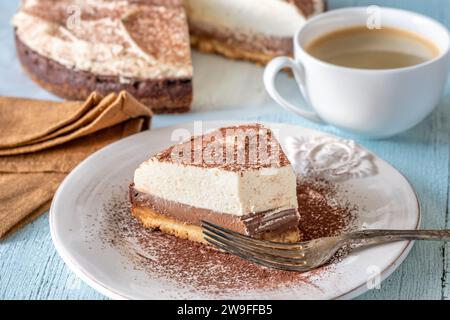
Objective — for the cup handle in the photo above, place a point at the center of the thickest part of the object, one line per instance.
(270, 73)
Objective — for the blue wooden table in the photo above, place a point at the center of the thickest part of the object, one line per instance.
(30, 268)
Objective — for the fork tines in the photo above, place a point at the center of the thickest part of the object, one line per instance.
(270, 254)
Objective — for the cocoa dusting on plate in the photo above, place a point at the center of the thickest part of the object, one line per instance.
(199, 267)
(322, 214)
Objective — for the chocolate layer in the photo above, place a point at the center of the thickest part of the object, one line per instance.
(161, 95)
(239, 45)
(252, 225)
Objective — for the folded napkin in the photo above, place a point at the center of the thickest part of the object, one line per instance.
(42, 141)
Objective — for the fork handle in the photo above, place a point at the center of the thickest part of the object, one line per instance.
(371, 237)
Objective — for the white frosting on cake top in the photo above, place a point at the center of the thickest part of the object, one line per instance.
(106, 45)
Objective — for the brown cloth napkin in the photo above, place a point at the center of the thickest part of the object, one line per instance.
(42, 141)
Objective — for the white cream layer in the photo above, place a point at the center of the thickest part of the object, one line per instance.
(119, 57)
(269, 17)
(219, 190)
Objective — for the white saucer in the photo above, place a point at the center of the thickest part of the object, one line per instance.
(78, 213)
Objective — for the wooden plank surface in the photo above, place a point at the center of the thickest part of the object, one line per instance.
(30, 268)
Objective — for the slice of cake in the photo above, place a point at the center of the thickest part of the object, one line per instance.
(255, 30)
(236, 177)
(73, 47)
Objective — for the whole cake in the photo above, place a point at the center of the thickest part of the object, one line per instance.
(236, 177)
(72, 48)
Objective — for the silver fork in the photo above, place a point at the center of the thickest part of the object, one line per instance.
(308, 255)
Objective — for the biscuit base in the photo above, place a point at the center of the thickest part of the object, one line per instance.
(210, 45)
(153, 220)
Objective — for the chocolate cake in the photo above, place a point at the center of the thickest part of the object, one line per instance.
(72, 48)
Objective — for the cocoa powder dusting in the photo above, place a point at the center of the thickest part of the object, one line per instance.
(321, 214)
(185, 263)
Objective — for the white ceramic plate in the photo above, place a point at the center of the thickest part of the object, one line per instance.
(78, 213)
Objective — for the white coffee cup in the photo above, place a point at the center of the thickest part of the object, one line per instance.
(372, 103)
